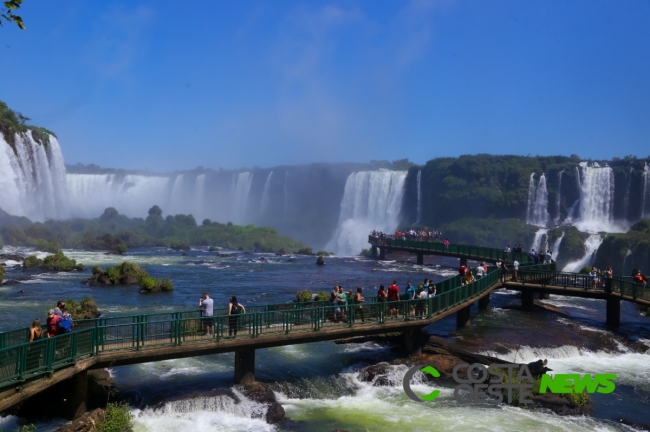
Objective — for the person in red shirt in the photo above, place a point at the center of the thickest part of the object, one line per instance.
(52, 321)
(393, 296)
(461, 272)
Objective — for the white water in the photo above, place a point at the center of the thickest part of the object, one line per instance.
(199, 198)
(241, 187)
(266, 199)
(556, 246)
(596, 199)
(537, 202)
(558, 200)
(177, 194)
(32, 181)
(372, 200)
(540, 242)
(591, 245)
(419, 180)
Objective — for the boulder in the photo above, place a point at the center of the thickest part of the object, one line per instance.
(86, 423)
(100, 386)
(262, 393)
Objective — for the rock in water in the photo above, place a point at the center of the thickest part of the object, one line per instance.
(320, 260)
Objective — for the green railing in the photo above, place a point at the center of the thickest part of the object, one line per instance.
(26, 361)
(583, 281)
(473, 252)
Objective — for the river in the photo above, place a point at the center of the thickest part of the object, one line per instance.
(317, 383)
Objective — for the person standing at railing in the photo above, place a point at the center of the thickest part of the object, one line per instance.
(235, 309)
(480, 271)
(504, 272)
(515, 270)
(446, 243)
(393, 298)
(358, 300)
(341, 302)
(593, 277)
(206, 304)
(52, 323)
(607, 279)
(35, 331)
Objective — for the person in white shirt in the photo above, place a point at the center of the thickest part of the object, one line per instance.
(515, 269)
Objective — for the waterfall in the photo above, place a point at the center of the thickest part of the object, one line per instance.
(372, 200)
(419, 180)
(199, 198)
(32, 180)
(537, 202)
(266, 199)
(596, 199)
(627, 254)
(558, 200)
(591, 246)
(556, 246)
(241, 187)
(177, 196)
(646, 178)
(540, 242)
(626, 199)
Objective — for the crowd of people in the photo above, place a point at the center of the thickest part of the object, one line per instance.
(412, 234)
(59, 321)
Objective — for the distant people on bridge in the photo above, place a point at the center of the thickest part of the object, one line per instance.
(504, 272)
(515, 270)
(36, 330)
(607, 279)
(206, 304)
(480, 271)
(638, 278)
(446, 243)
(461, 272)
(469, 276)
(235, 309)
(507, 250)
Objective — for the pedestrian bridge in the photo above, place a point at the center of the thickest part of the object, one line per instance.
(29, 368)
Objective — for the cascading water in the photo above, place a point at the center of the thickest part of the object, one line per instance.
(419, 208)
(596, 199)
(199, 197)
(540, 242)
(558, 200)
(591, 246)
(626, 199)
(241, 187)
(32, 181)
(266, 199)
(556, 246)
(537, 202)
(177, 195)
(372, 200)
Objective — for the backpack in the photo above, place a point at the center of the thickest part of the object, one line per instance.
(236, 309)
(65, 324)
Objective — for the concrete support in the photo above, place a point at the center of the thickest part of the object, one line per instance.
(484, 302)
(382, 253)
(412, 341)
(73, 396)
(613, 311)
(245, 366)
(420, 258)
(527, 300)
(462, 317)
(374, 251)
(544, 296)
(463, 262)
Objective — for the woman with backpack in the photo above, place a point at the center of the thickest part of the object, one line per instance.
(234, 310)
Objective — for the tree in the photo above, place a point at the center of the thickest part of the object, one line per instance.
(8, 13)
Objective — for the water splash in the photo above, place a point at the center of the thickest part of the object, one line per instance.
(591, 246)
(241, 186)
(558, 200)
(556, 246)
(540, 242)
(596, 199)
(371, 200)
(537, 201)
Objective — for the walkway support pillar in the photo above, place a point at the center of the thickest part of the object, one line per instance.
(484, 302)
(245, 366)
(382, 253)
(374, 251)
(527, 300)
(420, 258)
(544, 296)
(463, 262)
(412, 341)
(462, 317)
(613, 311)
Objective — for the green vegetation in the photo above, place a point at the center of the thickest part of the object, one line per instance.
(614, 250)
(26, 428)
(12, 123)
(85, 309)
(496, 233)
(46, 246)
(8, 14)
(128, 274)
(55, 262)
(306, 295)
(572, 246)
(2, 273)
(118, 419)
(115, 232)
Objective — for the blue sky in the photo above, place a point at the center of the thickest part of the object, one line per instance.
(169, 85)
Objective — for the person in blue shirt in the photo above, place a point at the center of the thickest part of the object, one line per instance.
(410, 295)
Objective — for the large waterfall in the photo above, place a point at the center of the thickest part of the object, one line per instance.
(591, 246)
(558, 198)
(32, 180)
(241, 187)
(537, 202)
(646, 189)
(596, 198)
(372, 200)
(266, 197)
(419, 208)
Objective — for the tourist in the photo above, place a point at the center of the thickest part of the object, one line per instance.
(336, 310)
(235, 309)
(381, 294)
(469, 277)
(35, 331)
(607, 280)
(65, 321)
(504, 272)
(51, 323)
(432, 291)
(206, 305)
(358, 299)
(59, 305)
(515, 270)
(461, 272)
(410, 295)
(547, 257)
(393, 298)
(421, 308)
(341, 302)
(480, 271)
(446, 243)
(593, 277)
